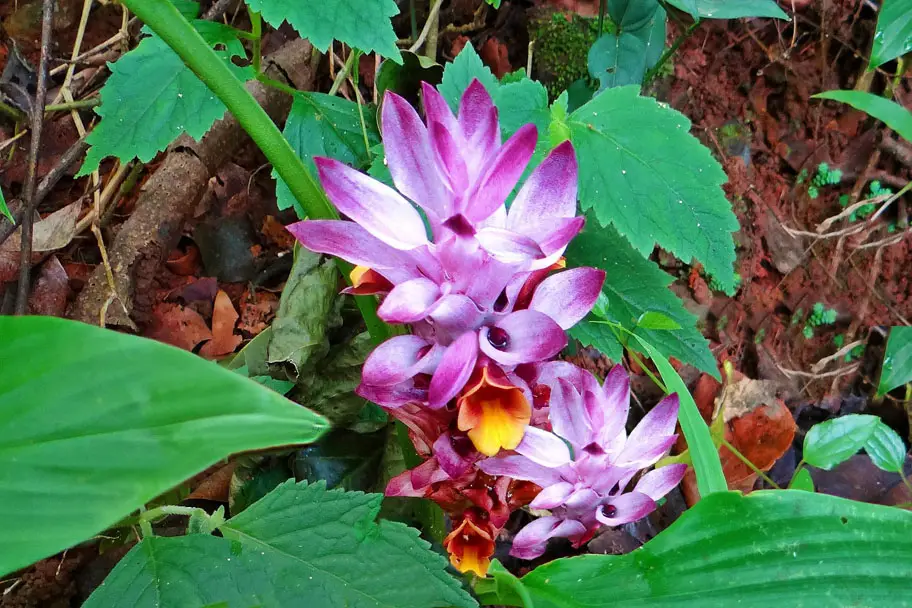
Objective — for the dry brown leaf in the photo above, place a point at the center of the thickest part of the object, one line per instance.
(50, 291)
(51, 233)
(177, 325)
(224, 317)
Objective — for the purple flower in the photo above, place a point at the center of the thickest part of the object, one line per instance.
(591, 488)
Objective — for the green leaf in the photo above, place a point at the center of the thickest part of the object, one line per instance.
(688, 6)
(151, 98)
(654, 37)
(494, 3)
(834, 441)
(732, 9)
(770, 548)
(343, 459)
(617, 60)
(188, 8)
(633, 287)
(802, 481)
(301, 543)
(893, 36)
(886, 449)
(703, 452)
(656, 320)
(632, 15)
(520, 103)
(897, 363)
(459, 74)
(324, 125)
(362, 24)
(641, 170)
(93, 424)
(4, 210)
(894, 115)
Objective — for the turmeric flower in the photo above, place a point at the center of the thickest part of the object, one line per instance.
(592, 488)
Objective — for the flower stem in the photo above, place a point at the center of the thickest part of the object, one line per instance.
(651, 72)
(256, 32)
(165, 20)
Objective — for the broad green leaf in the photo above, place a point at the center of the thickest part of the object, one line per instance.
(894, 115)
(802, 481)
(893, 36)
(688, 6)
(188, 8)
(641, 170)
(459, 74)
(833, 441)
(656, 320)
(703, 452)
(494, 3)
(362, 24)
(4, 210)
(731, 9)
(771, 548)
(151, 98)
(343, 459)
(301, 545)
(94, 424)
(897, 363)
(634, 286)
(886, 448)
(654, 37)
(632, 15)
(617, 60)
(324, 125)
(520, 103)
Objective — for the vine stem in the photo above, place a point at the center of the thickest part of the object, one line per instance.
(749, 464)
(651, 72)
(165, 20)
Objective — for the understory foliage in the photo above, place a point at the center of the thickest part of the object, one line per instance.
(488, 226)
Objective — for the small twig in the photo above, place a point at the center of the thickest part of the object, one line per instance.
(430, 23)
(842, 352)
(92, 51)
(73, 105)
(893, 239)
(340, 77)
(25, 257)
(822, 227)
(794, 373)
(217, 10)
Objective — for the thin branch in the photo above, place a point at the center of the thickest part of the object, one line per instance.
(25, 257)
(431, 22)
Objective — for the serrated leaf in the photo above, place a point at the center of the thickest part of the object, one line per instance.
(634, 286)
(459, 74)
(103, 422)
(897, 363)
(151, 98)
(520, 103)
(641, 170)
(886, 449)
(893, 35)
(299, 545)
(802, 481)
(4, 210)
(362, 24)
(731, 9)
(833, 441)
(894, 115)
(324, 125)
(617, 60)
(770, 548)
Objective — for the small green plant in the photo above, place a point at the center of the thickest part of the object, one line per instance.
(824, 177)
(797, 316)
(852, 355)
(761, 334)
(561, 48)
(820, 315)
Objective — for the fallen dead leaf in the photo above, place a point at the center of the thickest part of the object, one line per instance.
(51, 233)
(177, 325)
(494, 54)
(216, 486)
(276, 233)
(50, 291)
(224, 317)
(258, 311)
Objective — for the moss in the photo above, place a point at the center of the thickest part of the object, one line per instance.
(562, 43)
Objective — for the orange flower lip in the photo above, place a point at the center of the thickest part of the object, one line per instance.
(470, 547)
(494, 412)
(367, 281)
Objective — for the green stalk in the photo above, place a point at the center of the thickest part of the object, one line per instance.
(170, 26)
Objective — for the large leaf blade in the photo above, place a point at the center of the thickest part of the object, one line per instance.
(893, 36)
(771, 548)
(897, 364)
(103, 422)
(732, 9)
(894, 115)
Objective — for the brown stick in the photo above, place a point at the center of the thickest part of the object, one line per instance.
(170, 195)
(37, 116)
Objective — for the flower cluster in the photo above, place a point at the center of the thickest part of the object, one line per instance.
(488, 300)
